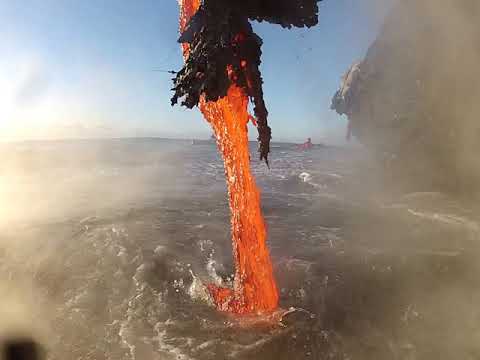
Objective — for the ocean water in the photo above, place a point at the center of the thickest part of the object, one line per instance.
(105, 247)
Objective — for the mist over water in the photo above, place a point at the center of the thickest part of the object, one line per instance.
(413, 98)
(106, 246)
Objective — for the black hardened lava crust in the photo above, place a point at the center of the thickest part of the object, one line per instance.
(221, 37)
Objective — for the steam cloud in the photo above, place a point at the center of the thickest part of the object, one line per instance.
(414, 97)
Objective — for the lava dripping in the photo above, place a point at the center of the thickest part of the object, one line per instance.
(221, 75)
(254, 290)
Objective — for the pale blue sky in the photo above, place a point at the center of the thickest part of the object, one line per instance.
(83, 68)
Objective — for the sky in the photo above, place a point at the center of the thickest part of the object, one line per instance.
(84, 69)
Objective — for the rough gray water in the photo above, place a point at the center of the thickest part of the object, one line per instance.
(105, 247)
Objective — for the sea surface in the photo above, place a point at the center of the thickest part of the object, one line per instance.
(105, 248)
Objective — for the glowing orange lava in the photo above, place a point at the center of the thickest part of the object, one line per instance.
(254, 290)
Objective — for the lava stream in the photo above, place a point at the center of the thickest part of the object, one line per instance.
(254, 290)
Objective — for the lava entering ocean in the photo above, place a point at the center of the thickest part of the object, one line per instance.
(221, 73)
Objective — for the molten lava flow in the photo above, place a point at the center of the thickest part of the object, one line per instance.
(187, 9)
(254, 288)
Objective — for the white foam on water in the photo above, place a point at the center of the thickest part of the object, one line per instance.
(212, 272)
(198, 291)
(334, 175)
(163, 346)
(306, 177)
(448, 219)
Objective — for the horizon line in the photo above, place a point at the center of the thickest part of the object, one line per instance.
(66, 139)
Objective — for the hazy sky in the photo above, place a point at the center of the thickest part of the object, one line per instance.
(83, 68)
